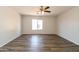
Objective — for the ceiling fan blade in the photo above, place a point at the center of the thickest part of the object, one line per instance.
(47, 11)
(47, 7)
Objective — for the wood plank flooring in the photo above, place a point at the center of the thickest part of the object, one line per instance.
(40, 43)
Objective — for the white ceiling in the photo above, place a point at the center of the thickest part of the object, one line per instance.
(32, 10)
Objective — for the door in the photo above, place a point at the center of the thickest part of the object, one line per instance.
(37, 25)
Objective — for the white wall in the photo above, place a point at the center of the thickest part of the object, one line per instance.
(49, 25)
(68, 25)
(9, 25)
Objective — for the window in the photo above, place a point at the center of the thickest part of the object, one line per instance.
(37, 24)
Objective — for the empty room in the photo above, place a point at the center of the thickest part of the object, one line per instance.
(39, 29)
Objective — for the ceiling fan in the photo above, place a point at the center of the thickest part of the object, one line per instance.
(44, 9)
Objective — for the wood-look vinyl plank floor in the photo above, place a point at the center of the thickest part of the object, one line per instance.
(40, 43)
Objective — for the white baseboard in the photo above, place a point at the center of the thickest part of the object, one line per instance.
(69, 40)
(6, 42)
